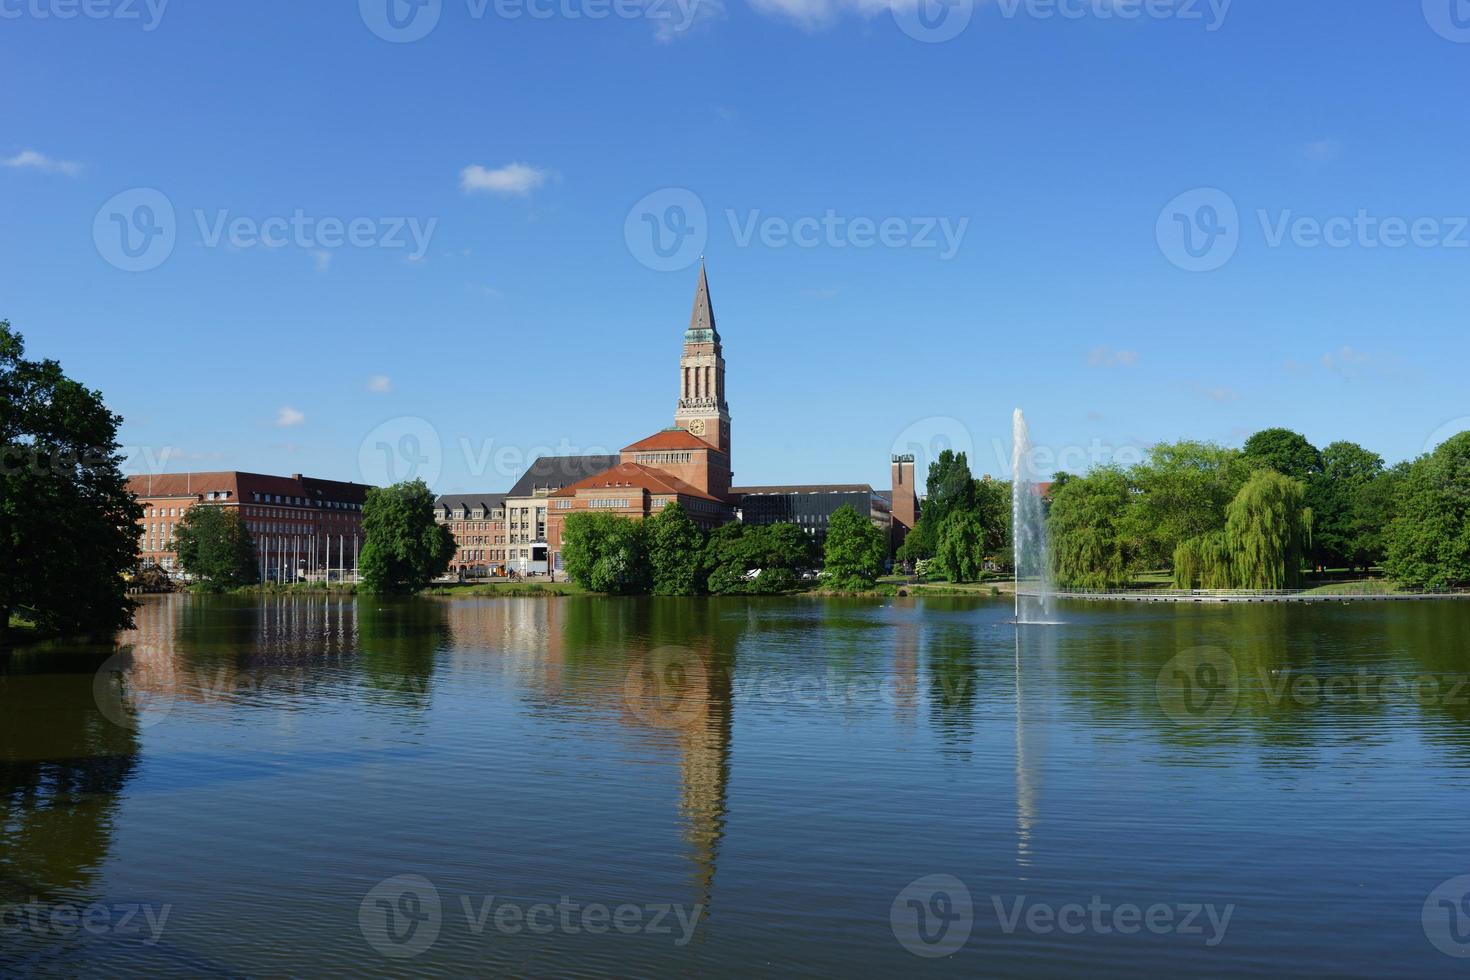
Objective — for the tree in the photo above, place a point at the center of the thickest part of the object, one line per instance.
(960, 556)
(1182, 491)
(1429, 539)
(404, 547)
(779, 551)
(855, 550)
(1267, 529)
(1346, 522)
(68, 523)
(675, 549)
(1204, 562)
(993, 508)
(949, 488)
(606, 553)
(1090, 542)
(215, 547)
(1287, 452)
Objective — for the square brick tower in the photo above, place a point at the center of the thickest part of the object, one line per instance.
(905, 498)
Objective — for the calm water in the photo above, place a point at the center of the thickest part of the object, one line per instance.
(583, 787)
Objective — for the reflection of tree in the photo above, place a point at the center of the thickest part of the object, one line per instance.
(62, 768)
(397, 642)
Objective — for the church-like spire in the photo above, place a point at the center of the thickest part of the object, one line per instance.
(702, 319)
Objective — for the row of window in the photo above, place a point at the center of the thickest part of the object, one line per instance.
(276, 498)
(655, 459)
(609, 502)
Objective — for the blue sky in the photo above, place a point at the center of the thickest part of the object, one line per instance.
(1068, 157)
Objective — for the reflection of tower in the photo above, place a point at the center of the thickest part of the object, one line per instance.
(906, 671)
(705, 774)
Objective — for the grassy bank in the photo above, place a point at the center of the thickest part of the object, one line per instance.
(507, 589)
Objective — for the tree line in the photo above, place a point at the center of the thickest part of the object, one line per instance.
(668, 554)
(1259, 516)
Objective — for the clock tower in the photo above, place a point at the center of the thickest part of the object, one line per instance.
(702, 410)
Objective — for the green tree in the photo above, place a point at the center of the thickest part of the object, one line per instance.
(1346, 523)
(1268, 529)
(1182, 489)
(1204, 562)
(1287, 452)
(960, 556)
(404, 548)
(606, 553)
(855, 550)
(675, 549)
(993, 508)
(779, 551)
(949, 487)
(1429, 539)
(1088, 522)
(68, 523)
(215, 547)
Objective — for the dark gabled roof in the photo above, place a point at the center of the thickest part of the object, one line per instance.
(489, 501)
(555, 472)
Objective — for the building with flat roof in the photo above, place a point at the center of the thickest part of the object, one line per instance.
(811, 506)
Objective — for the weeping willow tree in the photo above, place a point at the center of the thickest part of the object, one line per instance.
(1204, 562)
(1089, 549)
(1267, 531)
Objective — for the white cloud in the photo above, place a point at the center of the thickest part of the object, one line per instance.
(1345, 361)
(31, 160)
(1106, 357)
(1219, 393)
(323, 259)
(380, 384)
(672, 21)
(513, 178)
(815, 15)
(287, 416)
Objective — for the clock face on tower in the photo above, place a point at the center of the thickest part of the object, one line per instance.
(696, 427)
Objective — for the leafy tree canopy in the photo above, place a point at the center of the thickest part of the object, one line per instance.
(404, 548)
(675, 551)
(855, 550)
(214, 546)
(960, 556)
(68, 524)
(1429, 537)
(1287, 452)
(606, 553)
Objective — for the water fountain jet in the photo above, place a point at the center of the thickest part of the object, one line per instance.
(1035, 590)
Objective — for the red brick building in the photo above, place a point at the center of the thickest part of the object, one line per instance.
(477, 522)
(302, 526)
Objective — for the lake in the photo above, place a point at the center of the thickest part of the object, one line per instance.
(729, 787)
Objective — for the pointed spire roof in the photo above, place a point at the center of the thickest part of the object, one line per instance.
(702, 317)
